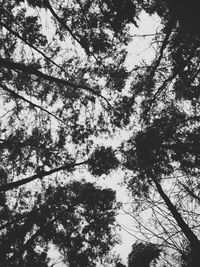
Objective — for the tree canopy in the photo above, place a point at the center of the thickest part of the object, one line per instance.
(64, 86)
(79, 219)
(143, 254)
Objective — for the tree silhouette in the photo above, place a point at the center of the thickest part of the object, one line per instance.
(62, 79)
(143, 254)
(78, 219)
(165, 149)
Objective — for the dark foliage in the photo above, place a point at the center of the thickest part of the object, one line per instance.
(78, 219)
(102, 161)
(143, 254)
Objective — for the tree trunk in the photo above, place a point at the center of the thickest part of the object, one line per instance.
(191, 237)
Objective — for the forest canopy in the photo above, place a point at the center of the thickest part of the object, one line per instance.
(65, 85)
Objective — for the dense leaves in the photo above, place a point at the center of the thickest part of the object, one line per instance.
(77, 218)
(143, 254)
(102, 161)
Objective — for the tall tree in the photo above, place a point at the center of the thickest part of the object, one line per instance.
(78, 219)
(162, 156)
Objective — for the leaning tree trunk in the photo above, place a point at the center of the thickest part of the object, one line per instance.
(191, 237)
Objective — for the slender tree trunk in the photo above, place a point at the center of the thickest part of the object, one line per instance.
(191, 237)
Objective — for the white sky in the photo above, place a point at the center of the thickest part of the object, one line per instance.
(140, 48)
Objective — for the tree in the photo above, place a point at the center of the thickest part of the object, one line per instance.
(162, 157)
(143, 254)
(79, 219)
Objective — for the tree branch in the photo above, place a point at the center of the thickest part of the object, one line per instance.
(33, 71)
(169, 29)
(31, 45)
(40, 175)
(13, 93)
(64, 25)
(190, 192)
